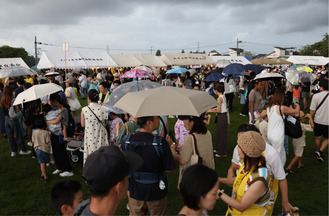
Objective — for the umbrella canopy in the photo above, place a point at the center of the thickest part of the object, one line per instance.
(245, 74)
(144, 68)
(50, 74)
(304, 68)
(217, 70)
(166, 101)
(234, 69)
(176, 70)
(36, 92)
(255, 68)
(15, 71)
(214, 77)
(136, 73)
(123, 89)
(268, 76)
(222, 63)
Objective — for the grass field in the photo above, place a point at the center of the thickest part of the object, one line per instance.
(23, 193)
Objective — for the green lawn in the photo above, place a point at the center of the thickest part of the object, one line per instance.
(23, 193)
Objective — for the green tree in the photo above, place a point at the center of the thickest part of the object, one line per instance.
(317, 49)
(183, 51)
(158, 53)
(13, 52)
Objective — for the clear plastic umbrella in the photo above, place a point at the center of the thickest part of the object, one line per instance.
(16, 71)
(123, 89)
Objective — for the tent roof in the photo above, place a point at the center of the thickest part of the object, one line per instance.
(150, 60)
(125, 60)
(12, 62)
(308, 60)
(231, 59)
(270, 61)
(75, 60)
(186, 59)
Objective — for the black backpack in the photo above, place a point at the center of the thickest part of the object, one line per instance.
(71, 126)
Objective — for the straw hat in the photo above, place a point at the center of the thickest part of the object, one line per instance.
(251, 143)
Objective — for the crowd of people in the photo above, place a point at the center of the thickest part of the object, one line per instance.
(258, 166)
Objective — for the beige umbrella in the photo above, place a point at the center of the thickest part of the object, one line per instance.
(166, 100)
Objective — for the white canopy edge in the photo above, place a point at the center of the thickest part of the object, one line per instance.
(308, 60)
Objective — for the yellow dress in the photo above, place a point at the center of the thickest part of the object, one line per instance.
(263, 206)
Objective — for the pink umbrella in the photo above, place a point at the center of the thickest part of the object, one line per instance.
(136, 73)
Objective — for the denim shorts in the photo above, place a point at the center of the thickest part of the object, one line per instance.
(43, 157)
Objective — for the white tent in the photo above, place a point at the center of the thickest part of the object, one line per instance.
(75, 60)
(12, 62)
(308, 60)
(186, 59)
(125, 60)
(97, 59)
(150, 60)
(232, 59)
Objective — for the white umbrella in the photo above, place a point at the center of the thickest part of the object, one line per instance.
(51, 74)
(222, 63)
(15, 71)
(36, 92)
(166, 101)
(268, 76)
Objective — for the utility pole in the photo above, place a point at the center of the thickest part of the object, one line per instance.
(108, 49)
(198, 47)
(35, 50)
(151, 50)
(237, 46)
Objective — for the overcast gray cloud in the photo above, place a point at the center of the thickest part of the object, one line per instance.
(171, 25)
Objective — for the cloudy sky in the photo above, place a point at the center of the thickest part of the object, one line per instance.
(139, 26)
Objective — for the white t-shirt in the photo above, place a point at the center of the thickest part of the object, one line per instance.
(83, 81)
(321, 115)
(273, 161)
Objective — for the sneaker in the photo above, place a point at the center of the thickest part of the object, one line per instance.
(13, 154)
(24, 152)
(318, 155)
(215, 151)
(29, 143)
(242, 114)
(66, 174)
(57, 171)
(127, 206)
(289, 171)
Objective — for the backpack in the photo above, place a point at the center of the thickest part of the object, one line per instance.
(71, 126)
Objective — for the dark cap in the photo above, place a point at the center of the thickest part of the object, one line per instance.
(108, 165)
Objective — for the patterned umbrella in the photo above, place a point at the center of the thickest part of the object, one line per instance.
(136, 73)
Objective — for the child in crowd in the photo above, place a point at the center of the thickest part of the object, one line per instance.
(116, 123)
(263, 125)
(296, 94)
(66, 196)
(51, 114)
(299, 143)
(41, 140)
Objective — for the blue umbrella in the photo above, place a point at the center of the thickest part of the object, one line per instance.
(214, 77)
(234, 69)
(176, 70)
(255, 68)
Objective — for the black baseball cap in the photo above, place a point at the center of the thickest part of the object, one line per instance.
(108, 165)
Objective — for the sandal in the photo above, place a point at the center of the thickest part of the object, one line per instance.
(300, 166)
(289, 171)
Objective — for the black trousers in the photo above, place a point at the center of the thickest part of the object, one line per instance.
(60, 155)
(229, 100)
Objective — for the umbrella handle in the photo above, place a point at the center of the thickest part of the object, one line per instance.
(164, 126)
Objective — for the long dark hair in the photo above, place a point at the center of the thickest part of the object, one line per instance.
(199, 126)
(7, 97)
(278, 98)
(253, 162)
